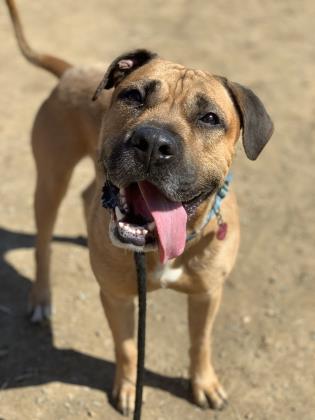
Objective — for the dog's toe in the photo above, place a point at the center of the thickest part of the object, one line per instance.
(39, 313)
(209, 394)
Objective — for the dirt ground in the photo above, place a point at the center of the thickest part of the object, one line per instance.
(264, 341)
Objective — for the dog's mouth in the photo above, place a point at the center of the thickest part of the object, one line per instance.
(144, 219)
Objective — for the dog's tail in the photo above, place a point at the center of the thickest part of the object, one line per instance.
(54, 65)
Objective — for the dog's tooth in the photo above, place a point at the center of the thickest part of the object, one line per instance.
(143, 231)
(121, 227)
(123, 201)
(118, 213)
(151, 226)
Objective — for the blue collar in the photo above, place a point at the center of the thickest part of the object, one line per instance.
(215, 209)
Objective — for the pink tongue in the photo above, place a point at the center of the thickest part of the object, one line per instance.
(170, 219)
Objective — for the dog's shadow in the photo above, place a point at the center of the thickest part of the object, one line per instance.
(27, 353)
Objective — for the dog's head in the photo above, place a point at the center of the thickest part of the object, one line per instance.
(168, 139)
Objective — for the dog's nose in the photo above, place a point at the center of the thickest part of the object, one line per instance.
(153, 145)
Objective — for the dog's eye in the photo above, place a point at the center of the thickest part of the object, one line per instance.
(132, 95)
(210, 118)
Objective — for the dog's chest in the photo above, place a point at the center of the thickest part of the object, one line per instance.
(166, 274)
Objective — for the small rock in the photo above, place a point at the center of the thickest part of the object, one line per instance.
(246, 319)
(67, 405)
(270, 312)
(159, 317)
(39, 400)
(82, 296)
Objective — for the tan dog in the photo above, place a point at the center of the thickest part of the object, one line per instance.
(163, 136)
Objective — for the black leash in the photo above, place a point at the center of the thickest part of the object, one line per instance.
(110, 201)
(142, 286)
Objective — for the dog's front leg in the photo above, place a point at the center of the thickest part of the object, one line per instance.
(202, 310)
(120, 313)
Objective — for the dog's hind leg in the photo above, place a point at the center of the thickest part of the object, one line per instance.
(56, 152)
(48, 196)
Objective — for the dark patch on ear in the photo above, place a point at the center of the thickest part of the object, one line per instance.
(256, 124)
(121, 67)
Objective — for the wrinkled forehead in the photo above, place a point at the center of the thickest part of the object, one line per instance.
(175, 82)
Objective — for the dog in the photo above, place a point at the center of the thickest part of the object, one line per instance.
(162, 137)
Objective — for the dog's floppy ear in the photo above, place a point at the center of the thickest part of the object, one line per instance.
(121, 67)
(256, 124)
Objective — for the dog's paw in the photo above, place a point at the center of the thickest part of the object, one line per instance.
(209, 393)
(39, 314)
(124, 395)
(39, 306)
